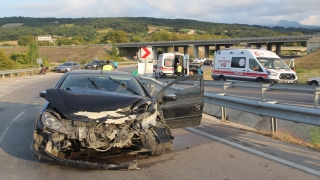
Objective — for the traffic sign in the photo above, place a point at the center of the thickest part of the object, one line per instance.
(145, 54)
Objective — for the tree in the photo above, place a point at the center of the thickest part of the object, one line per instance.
(33, 53)
(118, 36)
(136, 39)
(5, 62)
(26, 40)
(21, 58)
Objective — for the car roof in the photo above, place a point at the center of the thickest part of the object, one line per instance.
(99, 72)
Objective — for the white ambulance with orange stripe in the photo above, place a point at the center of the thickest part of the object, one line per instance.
(251, 65)
(168, 63)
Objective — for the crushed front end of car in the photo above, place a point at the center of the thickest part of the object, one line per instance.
(81, 127)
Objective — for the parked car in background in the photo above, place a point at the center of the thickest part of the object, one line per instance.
(91, 115)
(67, 67)
(97, 64)
(199, 60)
(208, 62)
(93, 64)
(313, 81)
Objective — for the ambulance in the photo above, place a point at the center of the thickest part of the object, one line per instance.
(168, 63)
(256, 65)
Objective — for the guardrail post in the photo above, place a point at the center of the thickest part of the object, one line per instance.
(223, 114)
(11, 75)
(273, 125)
(264, 88)
(316, 97)
(3, 77)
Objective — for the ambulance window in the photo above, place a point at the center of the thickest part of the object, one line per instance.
(238, 62)
(253, 64)
(168, 62)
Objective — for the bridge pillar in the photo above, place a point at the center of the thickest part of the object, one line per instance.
(196, 51)
(217, 47)
(278, 49)
(155, 52)
(185, 50)
(313, 44)
(206, 51)
(164, 49)
(269, 47)
(175, 48)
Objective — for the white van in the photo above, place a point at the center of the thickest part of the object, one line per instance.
(251, 65)
(167, 64)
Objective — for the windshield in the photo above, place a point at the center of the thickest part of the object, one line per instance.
(113, 83)
(67, 64)
(273, 63)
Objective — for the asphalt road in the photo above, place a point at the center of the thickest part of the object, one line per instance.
(211, 151)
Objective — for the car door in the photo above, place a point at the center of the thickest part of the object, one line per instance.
(186, 110)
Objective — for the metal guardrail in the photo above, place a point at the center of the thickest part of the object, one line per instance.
(307, 115)
(33, 70)
(18, 71)
(315, 90)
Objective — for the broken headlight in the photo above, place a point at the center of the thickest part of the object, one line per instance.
(53, 123)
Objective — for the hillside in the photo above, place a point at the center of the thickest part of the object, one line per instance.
(92, 30)
(309, 62)
(70, 53)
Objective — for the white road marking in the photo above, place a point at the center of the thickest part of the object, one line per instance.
(297, 166)
(9, 126)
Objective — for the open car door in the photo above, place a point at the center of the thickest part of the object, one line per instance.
(181, 101)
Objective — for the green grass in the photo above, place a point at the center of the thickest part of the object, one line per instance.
(303, 75)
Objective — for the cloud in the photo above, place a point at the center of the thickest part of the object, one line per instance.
(262, 12)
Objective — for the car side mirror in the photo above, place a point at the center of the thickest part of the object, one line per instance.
(43, 94)
(169, 97)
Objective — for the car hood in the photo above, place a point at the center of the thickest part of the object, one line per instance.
(281, 70)
(92, 105)
(314, 78)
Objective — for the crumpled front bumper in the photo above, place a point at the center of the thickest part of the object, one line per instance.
(82, 164)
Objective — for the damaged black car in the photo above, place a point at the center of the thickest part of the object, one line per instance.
(90, 115)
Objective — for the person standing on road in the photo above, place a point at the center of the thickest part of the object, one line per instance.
(107, 67)
(115, 64)
(179, 69)
(200, 70)
(135, 72)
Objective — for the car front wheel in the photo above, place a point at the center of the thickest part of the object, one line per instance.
(150, 141)
(314, 83)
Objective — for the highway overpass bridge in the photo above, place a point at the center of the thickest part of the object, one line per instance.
(271, 43)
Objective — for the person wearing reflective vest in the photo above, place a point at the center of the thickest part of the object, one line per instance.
(107, 67)
(179, 69)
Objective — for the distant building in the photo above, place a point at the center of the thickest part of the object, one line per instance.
(191, 31)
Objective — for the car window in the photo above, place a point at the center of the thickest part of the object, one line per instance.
(119, 83)
(67, 64)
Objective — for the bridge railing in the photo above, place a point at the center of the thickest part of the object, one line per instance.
(262, 107)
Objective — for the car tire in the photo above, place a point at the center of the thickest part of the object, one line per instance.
(314, 83)
(221, 78)
(150, 142)
(260, 80)
(58, 71)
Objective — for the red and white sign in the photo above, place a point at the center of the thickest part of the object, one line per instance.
(145, 52)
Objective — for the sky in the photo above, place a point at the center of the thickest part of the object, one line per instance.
(252, 12)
